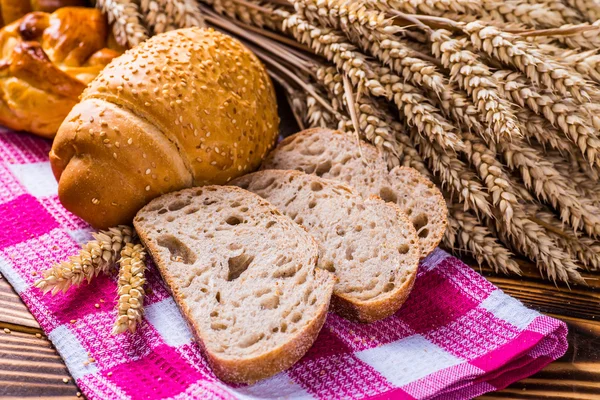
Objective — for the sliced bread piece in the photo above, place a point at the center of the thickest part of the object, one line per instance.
(369, 244)
(243, 274)
(335, 155)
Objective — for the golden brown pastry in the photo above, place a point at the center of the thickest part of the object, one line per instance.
(45, 62)
(185, 108)
(11, 10)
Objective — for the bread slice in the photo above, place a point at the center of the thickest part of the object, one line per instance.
(369, 244)
(335, 155)
(243, 274)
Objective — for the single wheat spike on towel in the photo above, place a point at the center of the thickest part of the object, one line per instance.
(131, 293)
(94, 257)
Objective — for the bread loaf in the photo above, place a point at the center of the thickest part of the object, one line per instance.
(335, 155)
(11, 10)
(369, 245)
(243, 275)
(47, 59)
(186, 108)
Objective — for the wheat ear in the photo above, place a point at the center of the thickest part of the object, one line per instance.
(182, 13)
(583, 248)
(429, 7)
(540, 176)
(377, 81)
(95, 256)
(455, 176)
(561, 112)
(590, 9)
(511, 218)
(466, 230)
(533, 15)
(124, 15)
(542, 70)
(130, 288)
(374, 32)
(476, 78)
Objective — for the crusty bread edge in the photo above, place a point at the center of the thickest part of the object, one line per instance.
(257, 368)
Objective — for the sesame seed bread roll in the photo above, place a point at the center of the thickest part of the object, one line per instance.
(186, 108)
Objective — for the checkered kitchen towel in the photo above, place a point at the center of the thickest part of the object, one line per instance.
(456, 337)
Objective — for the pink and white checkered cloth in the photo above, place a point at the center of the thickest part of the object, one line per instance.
(457, 336)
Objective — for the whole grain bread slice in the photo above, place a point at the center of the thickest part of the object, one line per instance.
(243, 275)
(335, 155)
(369, 244)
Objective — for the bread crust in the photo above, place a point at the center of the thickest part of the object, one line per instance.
(252, 369)
(216, 110)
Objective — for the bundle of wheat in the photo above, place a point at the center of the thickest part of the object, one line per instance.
(495, 101)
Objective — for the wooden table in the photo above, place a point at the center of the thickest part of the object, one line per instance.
(29, 365)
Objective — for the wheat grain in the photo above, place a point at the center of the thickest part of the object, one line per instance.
(126, 22)
(532, 15)
(130, 304)
(374, 33)
(586, 63)
(182, 13)
(569, 14)
(429, 7)
(476, 78)
(549, 185)
(455, 176)
(542, 130)
(561, 112)
(522, 55)
(474, 238)
(95, 257)
(511, 217)
(590, 9)
(584, 248)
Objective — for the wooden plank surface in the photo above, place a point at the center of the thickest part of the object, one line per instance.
(30, 367)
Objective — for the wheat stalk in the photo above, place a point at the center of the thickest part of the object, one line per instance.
(95, 257)
(125, 18)
(542, 70)
(476, 78)
(130, 304)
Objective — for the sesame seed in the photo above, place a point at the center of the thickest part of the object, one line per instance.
(95, 201)
(97, 305)
(38, 335)
(33, 273)
(66, 380)
(115, 156)
(72, 321)
(148, 171)
(91, 119)
(6, 330)
(109, 374)
(148, 188)
(78, 394)
(129, 141)
(213, 163)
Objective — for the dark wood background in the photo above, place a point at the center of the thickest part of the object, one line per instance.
(30, 367)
